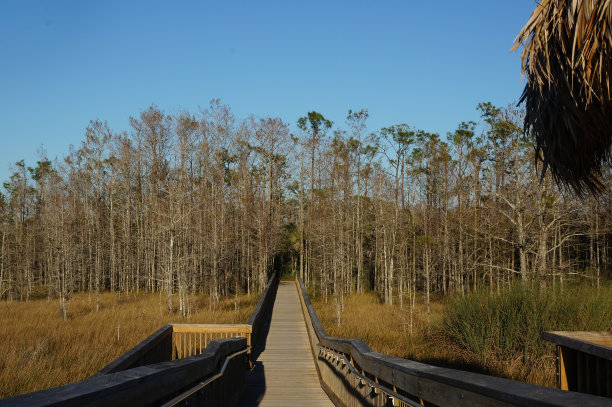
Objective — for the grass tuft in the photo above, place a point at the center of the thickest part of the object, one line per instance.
(503, 331)
(40, 350)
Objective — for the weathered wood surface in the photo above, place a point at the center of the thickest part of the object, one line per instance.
(584, 361)
(165, 344)
(148, 375)
(192, 339)
(594, 343)
(148, 385)
(285, 372)
(154, 349)
(262, 311)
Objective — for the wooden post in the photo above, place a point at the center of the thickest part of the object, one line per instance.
(562, 375)
(584, 361)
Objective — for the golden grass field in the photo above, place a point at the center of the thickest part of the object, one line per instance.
(383, 328)
(40, 350)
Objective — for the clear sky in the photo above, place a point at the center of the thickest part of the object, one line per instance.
(425, 63)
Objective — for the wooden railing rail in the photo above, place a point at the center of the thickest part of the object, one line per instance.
(262, 311)
(357, 380)
(180, 364)
(173, 341)
(192, 339)
(425, 384)
(155, 384)
(176, 341)
(189, 394)
(584, 361)
(154, 349)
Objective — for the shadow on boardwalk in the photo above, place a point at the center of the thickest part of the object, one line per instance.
(285, 372)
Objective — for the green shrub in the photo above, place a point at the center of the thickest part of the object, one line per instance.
(504, 327)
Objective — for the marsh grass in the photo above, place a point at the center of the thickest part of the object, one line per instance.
(502, 332)
(480, 332)
(385, 328)
(40, 350)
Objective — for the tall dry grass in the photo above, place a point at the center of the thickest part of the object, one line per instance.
(385, 328)
(40, 350)
(502, 332)
(480, 332)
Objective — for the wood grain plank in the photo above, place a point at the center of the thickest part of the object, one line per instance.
(211, 328)
(285, 373)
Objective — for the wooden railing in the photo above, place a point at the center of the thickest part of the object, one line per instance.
(352, 374)
(584, 361)
(156, 384)
(260, 317)
(197, 394)
(175, 341)
(179, 364)
(154, 349)
(191, 339)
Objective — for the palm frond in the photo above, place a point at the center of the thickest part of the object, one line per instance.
(567, 60)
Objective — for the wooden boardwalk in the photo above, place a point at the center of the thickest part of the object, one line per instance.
(285, 372)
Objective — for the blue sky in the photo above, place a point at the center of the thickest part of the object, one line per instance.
(428, 64)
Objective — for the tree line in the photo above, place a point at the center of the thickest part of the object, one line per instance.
(207, 203)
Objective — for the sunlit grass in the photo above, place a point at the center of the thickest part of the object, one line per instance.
(501, 333)
(481, 332)
(385, 328)
(40, 350)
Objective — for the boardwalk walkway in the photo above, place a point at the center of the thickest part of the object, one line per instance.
(285, 373)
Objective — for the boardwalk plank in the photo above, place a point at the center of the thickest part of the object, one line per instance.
(285, 373)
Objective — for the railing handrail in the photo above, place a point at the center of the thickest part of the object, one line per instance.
(212, 328)
(128, 359)
(259, 308)
(143, 385)
(146, 372)
(590, 342)
(411, 376)
(325, 352)
(205, 383)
